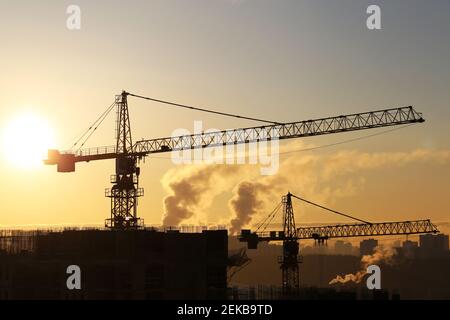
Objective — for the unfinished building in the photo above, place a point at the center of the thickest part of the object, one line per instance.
(135, 264)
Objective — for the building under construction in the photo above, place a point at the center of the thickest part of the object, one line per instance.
(135, 264)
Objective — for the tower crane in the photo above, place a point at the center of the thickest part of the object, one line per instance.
(290, 235)
(125, 189)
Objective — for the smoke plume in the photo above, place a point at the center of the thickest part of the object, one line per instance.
(245, 203)
(192, 189)
(382, 254)
(324, 178)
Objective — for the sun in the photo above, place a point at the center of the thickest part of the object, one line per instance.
(26, 139)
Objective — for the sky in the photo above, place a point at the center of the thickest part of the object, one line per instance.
(279, 60)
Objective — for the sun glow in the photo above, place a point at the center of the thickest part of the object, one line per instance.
(26, 139)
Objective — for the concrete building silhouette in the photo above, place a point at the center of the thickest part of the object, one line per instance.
(410, 248)
(433, 245)
(139, 264)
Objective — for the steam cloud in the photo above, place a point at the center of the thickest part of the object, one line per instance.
(381, 254)
(323, 178)
(245, 203)
(191, 190)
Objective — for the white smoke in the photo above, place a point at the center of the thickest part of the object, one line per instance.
(323, 178)
(382, 254)
(191, 189)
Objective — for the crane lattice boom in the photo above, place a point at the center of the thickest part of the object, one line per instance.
(352, 122)
(308, 128)
(348, 230)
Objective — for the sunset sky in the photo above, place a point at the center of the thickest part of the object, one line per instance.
(279, 60)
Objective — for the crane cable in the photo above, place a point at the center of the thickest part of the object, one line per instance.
(269, 218)
(349, 140)
(201, 109)
(281, 153)
(331, 210)
(98, 124)
(273, 216)
(92, 127)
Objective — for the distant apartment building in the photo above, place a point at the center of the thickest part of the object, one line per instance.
(432, 245)
(410, 245)
(409, 248)
(367, 247)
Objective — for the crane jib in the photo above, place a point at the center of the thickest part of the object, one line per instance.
(342, 231)
(65, 160)
(347, 123)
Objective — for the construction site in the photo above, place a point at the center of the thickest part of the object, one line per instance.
(129, 260)
(137, 264)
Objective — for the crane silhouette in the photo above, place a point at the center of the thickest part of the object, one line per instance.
(125, 189)
(290, 235)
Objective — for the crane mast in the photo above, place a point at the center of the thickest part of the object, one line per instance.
(290, 259)
(125, 190)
